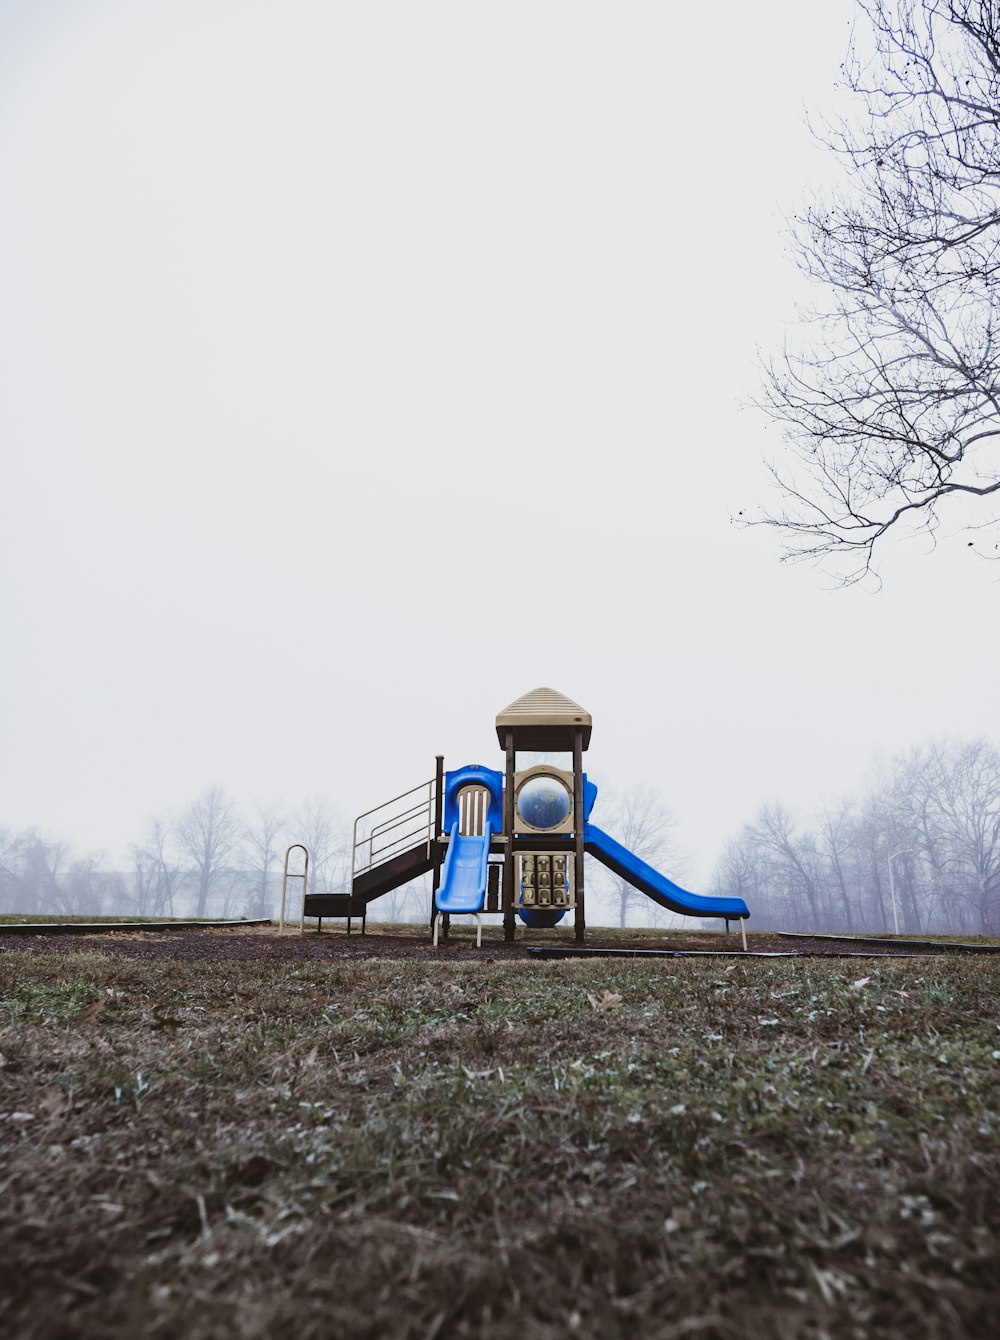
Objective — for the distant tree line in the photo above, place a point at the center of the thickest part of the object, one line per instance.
(932, 815)
(642, 822)
(211, 859)
(214, 859)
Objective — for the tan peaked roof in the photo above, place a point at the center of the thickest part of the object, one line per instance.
(543, 714)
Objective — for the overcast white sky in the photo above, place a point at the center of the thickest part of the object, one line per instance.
(364, 366)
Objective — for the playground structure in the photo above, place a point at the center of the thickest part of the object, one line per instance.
(511, 841)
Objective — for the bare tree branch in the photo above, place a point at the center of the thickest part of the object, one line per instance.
(889, 395)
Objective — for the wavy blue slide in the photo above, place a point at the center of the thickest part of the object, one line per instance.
(654, 885)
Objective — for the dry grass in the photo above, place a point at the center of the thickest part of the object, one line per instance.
(385, 1147)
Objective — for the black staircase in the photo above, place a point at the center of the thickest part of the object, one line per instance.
(394, 843)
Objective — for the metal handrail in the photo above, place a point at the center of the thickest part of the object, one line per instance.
(388, 825)
(367, 860)
(377, 853)
(402, 840)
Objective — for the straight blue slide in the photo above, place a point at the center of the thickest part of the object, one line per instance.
(463, 878)
(643, 877)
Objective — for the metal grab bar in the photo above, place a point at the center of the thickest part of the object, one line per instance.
(303, 874)
(402, 841)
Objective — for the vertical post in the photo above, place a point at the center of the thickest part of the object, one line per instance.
(581, 919)
(438, 793)
(304, 876)
(436, 835)
(892, 893)
(508, 828)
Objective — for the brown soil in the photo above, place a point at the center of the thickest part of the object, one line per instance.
(264, 944)
(216, 1134)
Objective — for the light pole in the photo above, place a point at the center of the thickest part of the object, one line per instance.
(903, 851)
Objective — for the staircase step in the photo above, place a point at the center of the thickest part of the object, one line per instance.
(334, 905)
(400, 869)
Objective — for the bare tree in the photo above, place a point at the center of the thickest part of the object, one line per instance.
(263, 834)
(876, 834)
(156, 870)
(44, 865)
(640, 820)
(316, 824)
(738, 872)
(960, 799)
(932, 815)
(410, 902)
(209, 835)
(39, 874)
(890, 398)
(793, 859)
(836, 831)
(18, 895)
(81, 889)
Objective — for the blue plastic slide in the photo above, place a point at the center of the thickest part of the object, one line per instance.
(654, 885)
(463, 878)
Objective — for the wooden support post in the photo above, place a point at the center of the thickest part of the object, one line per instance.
(508, 891)
(581, 919)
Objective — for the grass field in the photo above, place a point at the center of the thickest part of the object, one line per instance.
(414, 1148)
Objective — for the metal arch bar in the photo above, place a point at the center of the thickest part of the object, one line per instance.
(286, 876)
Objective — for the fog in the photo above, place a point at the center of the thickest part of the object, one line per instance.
(365, 367)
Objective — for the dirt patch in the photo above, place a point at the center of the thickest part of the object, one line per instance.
(264, 944)
(289, 1139)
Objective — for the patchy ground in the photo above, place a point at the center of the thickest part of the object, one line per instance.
(258, 943)
(214, 1134)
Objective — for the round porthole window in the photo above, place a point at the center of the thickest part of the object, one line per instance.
(543, 802)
